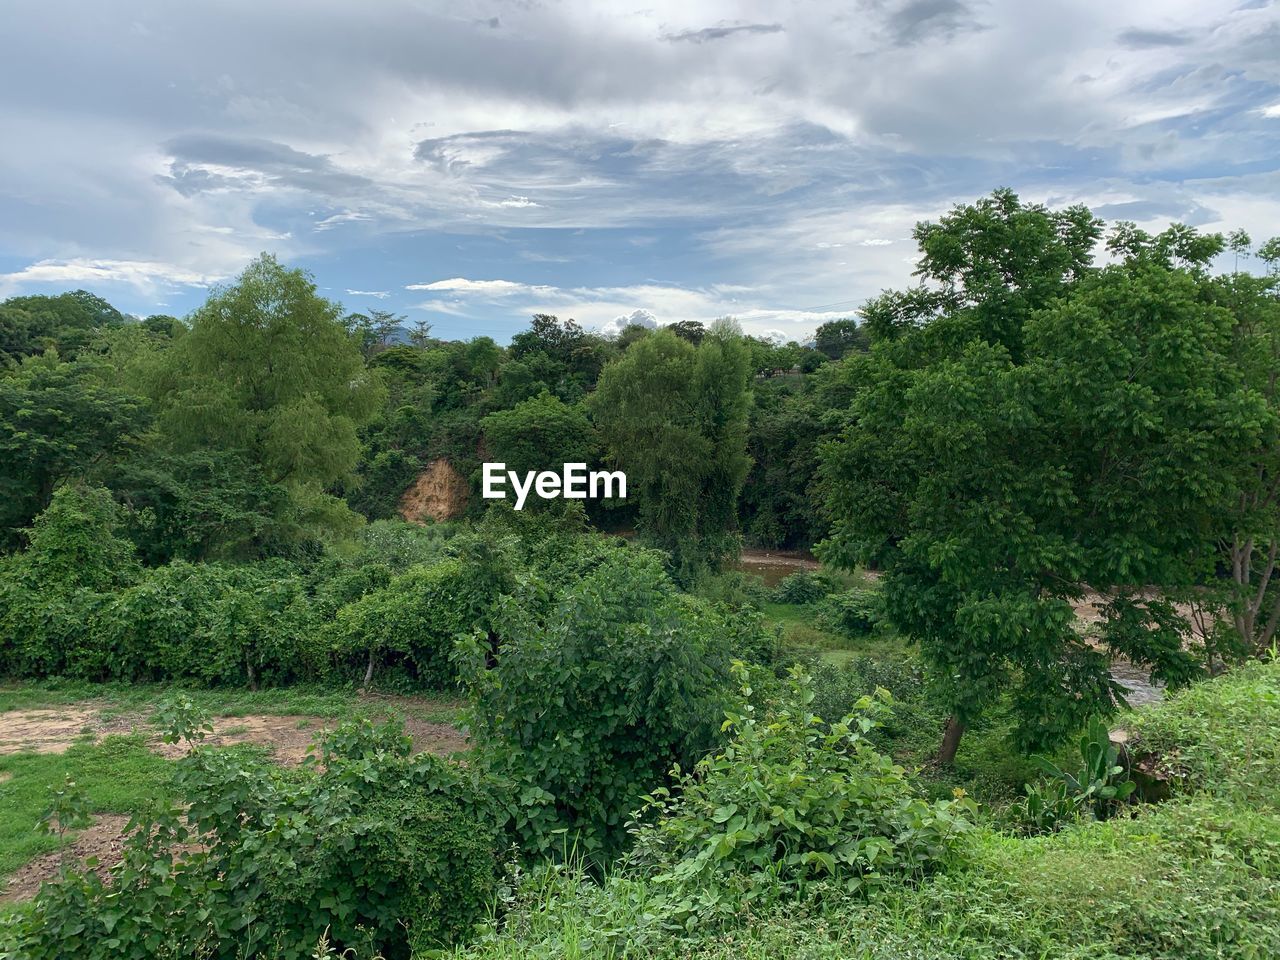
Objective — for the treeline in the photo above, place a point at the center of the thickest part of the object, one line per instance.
(1027, 424)
(269, 423)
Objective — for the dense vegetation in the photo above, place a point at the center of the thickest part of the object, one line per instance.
(906, 752)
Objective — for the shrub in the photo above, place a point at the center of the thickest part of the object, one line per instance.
(853, 614)
(379, 852)
(1218, 735)
(204, 622)
(416, 618)
(587, 709)
(787, 801)
(802, 587)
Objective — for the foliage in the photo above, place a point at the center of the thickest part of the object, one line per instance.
(1100, 787)
(416, 618)
(58, 420)
(673, 417)
(852, 614)
(588, 706)
(789, 799)
(539, 434)
(1032, 430)
(378, 851)
(779, 507)
(835, 338)
(1218, 735)
(269, 372)
(802, 587)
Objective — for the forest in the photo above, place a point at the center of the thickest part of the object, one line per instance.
(950, 632)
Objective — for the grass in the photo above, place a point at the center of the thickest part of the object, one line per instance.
(118, 775)
(115, 699)
(1194, 878)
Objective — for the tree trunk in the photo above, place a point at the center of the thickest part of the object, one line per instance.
(253, 677)
(951, 735)
(368, 671)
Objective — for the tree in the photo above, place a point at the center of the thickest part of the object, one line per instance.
(57, 420)
(690, 330)
(67, 321)
(1252, 551)
(995, 464)
(540, 434)
(835, 338)
(374, 330)
(269, 372)
(674, 418)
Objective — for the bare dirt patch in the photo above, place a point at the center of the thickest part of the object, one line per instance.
(45, 731)
(104, 839)
(439, 493)
(287, 739)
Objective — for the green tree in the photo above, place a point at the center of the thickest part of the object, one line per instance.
(1002, 456)
(835, 338)
(540, 434)
(57, 420)
(674, 418)
(269, 372)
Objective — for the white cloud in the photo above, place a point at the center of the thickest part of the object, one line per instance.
(636, 318)
(141, 274)
(1271, 111)
(482, 288)
(378, 294)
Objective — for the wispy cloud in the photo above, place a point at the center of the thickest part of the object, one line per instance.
(721, 32)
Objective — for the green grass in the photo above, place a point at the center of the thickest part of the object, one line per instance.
(115, 699)
(1194, 878)
(118, 775)
(802, 633)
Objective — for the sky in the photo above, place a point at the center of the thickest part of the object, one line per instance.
(471, 163)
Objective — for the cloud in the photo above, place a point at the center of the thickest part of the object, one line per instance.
(137, 273)
(376, 294)
(636, 318)
(610, 160)
(918, 21)
(1136, 39)
(720, 32)
(485, 288)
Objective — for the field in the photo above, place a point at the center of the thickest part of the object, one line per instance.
(102, 738)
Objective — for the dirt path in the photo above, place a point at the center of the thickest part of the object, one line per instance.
(286, 738)
(104, 839)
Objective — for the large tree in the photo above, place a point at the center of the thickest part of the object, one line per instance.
(1028, 427)
(674, 418)
(59, 419)
(269, 372)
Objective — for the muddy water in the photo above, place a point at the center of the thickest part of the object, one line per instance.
(774, 566)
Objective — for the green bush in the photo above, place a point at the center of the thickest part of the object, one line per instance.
(789, 800)
(378, 852)
(1216, 735)
(803, 587)
(853, 614)
(589, 706)
(415, 620)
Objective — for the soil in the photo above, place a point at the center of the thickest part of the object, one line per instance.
(439, 493)
(53, 731)
(104, 839)
(286, 738)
